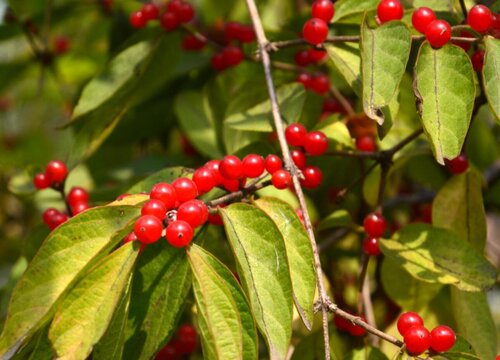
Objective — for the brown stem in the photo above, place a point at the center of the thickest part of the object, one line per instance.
(362, 278)
(238, 195)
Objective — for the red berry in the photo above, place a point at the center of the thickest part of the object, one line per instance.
(479, 18)
(417, 340)
(165, 193)
(215, 219)
(77, 195)
(232, 30)
(457, 165)
(374, 225)
(442, 338)
(217, 61)
(137, 19)
(48, 215)
(315, 31)
(194, 212)
(330, 105)
(186, 339)
(246, 34)
(366, 143)
(231, 185)
(79, 207)
(155, 208)
(185, 13)
(356, 330)
(316, 55)
(150, 11)
(204, 178)
(192, 43)
(61, 45)
(174, 6)
(323, 9)
(56, 172)
(253, 165)
(438, 33)
(231, 167)
(299, 158)
(407, 320)
(421, 18)
(341, 323)
(130, 237)
(477, 60)
(281, 179)
(233, 55)
(41, 181)
(306, 80)
(295, 134)
(302, 58)
(168, 352)
(316, 143)
(179, 233)
(185, 189)
(214, 166)
(148, 229)
(312, 177)
(169, 21)
(320, 84)
(388, 10)
(273, 163)
(371, 246)
(56, 220)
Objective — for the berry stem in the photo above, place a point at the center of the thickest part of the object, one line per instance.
(61, 191)
(238, 195)
(464, 8)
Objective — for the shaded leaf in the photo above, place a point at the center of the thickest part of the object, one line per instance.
(347, 59)
(344, 8)
(165, 175)
(338, 218)
(337, 132)
(462, 350)
(366, 353)
(491, 74)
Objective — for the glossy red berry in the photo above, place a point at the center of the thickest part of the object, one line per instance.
(315, 31)
(371, 246)
(192, 43)
(312, 177)
(56, 220)
(421, 18)
(150, 11)
(374, 225)
(214, 166)
(231, 167)
(148, 229)
(41, 181)
(316, 143)
(155, 208)
(169, 21)
(323, 9)
(457, 165)
(186, 340)
(185, 13)
(320, 84)
(49, 214)
(299, 158)
(79, 207)
(231, 185)
(442, 338)
(388, 10)
(253, 165)
(407, 320)
(204, 178)
(137, 19)
(165, 193)
(316, 55)
(281, 179)
(77, 195)
(273, 163)
(232, 55)
(217, 62)
(179, 233)
(477, 60)
(56, 172)
(438, 33)
(479, 18)
(295, 134)
(194, 212)
(417, 340)
(302, 58)
(366, 143)
(185, 189)
(305, 79)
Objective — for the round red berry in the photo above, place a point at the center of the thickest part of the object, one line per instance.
(330, 105)
(320, 84)
(192, 43)
(388, 10)
(179, 233)
(150, 11)
(169, 21)
(231, 185)
(216, 219)
(438, 33)
(374, 225)
(323, 9)
(148, 229)
(214, 166)
(477, 60)
(366, 143)
(56, 220)
(417, 340)
(185, 189)
(56, 172)
(194, 212)
(421, 18)
(457, 165)
(185, 13)
(231, 167)
(186, 340)
(49, 214)
(316, 143)
(305, 79)
(341, 323)
(273, 163)
(407, 320)
(442, 338)
(168, 352)
(302, 58)
(281, 179)
(79, 207)
(246, 34)
(155, 208)
(371, 246)
(41, 181)
(253, 165)
(312, 177)
(233, 55)
(295, 134)
(299, 158)
(479, 18)
(166, 193)
(174, 6)
(315, 31)
(204, 178)
(316, 55)
(217, 62)
(77, 195)
(137, 19)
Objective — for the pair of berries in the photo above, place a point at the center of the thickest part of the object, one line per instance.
(184, 342)
(437, 32)
(54, 176)
(319, 83)
(347, 326)
(374, 225)
(235, 31)
(177, 12)
(315, 30)
(229, 57)
(53, 218)
(315, 143)
(418, 339)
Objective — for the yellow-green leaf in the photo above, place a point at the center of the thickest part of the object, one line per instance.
(491, 74)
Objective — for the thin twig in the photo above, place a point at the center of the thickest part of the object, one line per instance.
(337, 95)
(369, 313)
(464, 8)
(237, 195)
(278, 122)
(362, 278)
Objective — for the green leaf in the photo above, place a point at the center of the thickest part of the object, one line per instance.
(435, 255)
(436, 5)
(366, 353)
(258, 118)
(347, 59)
(84, 315)
(458, 206)
(226, 323)
(384, 54)
(160, 285)
(62, 259)
(445, 90)
(165, 175)
(299, 254)
(491, 74)
(263, 268)
(338, 218)
(336, 131)
(344, 8)
(462, 350)
(198, 123)
(475, 322)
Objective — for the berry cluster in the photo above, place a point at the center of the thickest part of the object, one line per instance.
(437, 32)
(349, 327)
(418, 339)
(315, 30)
(175, 13)
(374, 225)
(184, 342)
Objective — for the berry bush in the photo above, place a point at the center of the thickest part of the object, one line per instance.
(225, 179)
